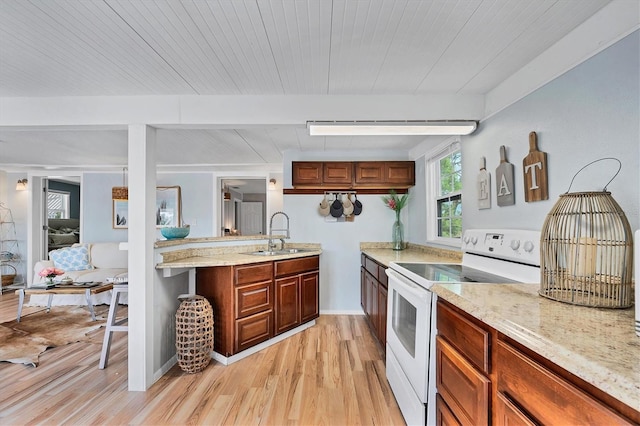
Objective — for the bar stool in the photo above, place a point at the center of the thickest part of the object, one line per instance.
(113, 324)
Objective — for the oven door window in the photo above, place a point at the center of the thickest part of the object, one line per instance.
(404, 322)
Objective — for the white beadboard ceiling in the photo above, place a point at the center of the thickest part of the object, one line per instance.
(77, 48)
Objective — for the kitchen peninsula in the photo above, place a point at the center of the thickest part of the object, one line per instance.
(259, 297)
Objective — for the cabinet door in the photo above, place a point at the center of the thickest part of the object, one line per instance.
(252, 330)
(546, 396)
(444, 416)
(369, 172)
(382, 316)
(253, 298)
(402, 173)
(309, 303)
(340, 172)
(507, 414)
(372, 301)
(363, 290)
(287, 303)
(306, 173)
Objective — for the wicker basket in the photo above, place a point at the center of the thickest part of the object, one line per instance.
(194, 334)
(7, 279)
(586, 255)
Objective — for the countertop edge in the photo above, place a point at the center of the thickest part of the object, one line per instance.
(231, 259)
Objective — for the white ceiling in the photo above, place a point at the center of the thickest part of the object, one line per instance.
(65, 48)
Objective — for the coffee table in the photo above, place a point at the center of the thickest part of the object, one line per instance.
(66, 289)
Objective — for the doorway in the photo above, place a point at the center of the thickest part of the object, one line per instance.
(244, 206)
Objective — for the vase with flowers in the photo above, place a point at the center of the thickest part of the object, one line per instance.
(396, 203)
(50, 273)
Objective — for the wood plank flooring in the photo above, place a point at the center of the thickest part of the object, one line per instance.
(330, 374)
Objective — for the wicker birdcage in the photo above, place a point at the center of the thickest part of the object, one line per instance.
(194, 334)
(7, 278)
(586, 251)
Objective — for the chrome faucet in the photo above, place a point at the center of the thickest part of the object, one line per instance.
(271, 245)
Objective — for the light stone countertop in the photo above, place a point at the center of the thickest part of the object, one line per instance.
(383, 254)
(597, 345)
(229, 256)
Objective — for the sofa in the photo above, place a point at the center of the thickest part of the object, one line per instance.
(86, 262)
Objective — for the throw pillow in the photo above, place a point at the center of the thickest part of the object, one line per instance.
(71, 258)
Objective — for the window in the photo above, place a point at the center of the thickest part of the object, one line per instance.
(57, 204)
(449, 199)
(444, 194)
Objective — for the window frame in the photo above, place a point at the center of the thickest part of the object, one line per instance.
(432, 166)
(66, 201)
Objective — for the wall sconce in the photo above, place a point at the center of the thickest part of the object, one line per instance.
(21, 185)
(227, 196)
(272, 184)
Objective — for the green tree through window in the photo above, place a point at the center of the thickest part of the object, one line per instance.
(449, 199)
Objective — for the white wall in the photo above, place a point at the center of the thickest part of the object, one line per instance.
(197, 202)
(588, 113)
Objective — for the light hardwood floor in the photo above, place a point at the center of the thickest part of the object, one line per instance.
(330, 374)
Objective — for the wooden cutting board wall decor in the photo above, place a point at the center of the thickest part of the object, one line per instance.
(484, 186)
(505, 191)
(534, 168)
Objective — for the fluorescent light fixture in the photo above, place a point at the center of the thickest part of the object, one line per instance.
(391, 128)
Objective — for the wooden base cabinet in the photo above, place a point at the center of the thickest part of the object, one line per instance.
(297, 291)
(252, 303)
(483, 377)
(373, 297)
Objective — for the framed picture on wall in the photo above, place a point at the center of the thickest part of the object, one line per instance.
(120, 214)
(168, 206)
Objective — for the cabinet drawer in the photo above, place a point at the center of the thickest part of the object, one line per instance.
(253, 273)
(253, 330)
(371, 266)
(382, 276)
(464, 389)
(253, 298)
(468, 338)
(296, 266)
(547, 397)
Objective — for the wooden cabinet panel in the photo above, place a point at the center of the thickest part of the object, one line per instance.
(253, 298)
(338, 172)
(306, 173)
(287, 303)
(369, 172)
(400, 172)
(547, 397)
(444, 416)
(371, 266)
(252, 330)
(465, 389)
(309, 297)
(296, 266)
(363, 290)
(507, 414)
(382, 315)
(467, 337)
(253, 273)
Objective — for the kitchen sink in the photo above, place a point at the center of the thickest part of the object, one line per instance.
(277, 252)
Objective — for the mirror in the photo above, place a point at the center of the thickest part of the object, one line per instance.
(244, 206)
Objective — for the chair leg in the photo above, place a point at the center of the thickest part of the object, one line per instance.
(108, 333)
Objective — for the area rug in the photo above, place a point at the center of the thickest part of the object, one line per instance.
(23, 342)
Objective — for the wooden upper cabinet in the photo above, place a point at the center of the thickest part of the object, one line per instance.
(306, 173)
(346, 175)
(337, 172)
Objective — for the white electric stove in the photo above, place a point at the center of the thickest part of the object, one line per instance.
(489, 256)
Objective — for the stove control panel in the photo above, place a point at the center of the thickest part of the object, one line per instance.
(510, 244)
